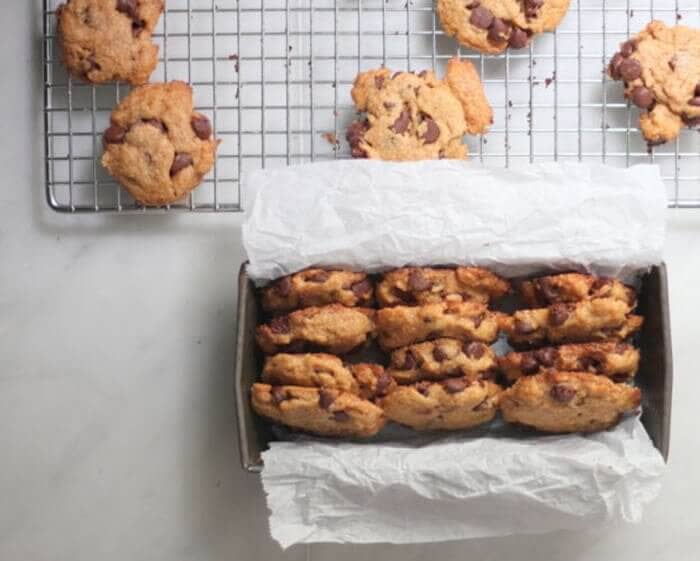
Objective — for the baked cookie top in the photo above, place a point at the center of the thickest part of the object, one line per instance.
(401, 326)
(417, 116)
(317, 287)
(324, 412)
(310, 370)
(157, 146)
(442, 358)
(660, 67)
(109, 40)
(455, 403)
(491, 26)
(574, 287)
(618, 361)
(334, 328)
(425, 285)
(567, 402)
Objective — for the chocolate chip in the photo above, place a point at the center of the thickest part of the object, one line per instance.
(478, 319)
(601, 282)
(160, 125)
(284, 286)
(549, 290)
(547, 356)
(562, 393)
(455, 385)
(499, 30)
(423, 388)
(201, 127)
(417, 281)
(518, 38)
(532, 7)
(591, 362)
(355, 134)
(362, 288)
(489, 374)
(474, 350)
(672, 62)
(325, 399)
(423, 73)
(114, 135)
(137, 26)
(401, 124)
(695, 101)
(181, 161)
(383, 383)
(617, 378)
(558, 314)
(389, 105)
(404, 296)
(697, 89)
(280, 325)
(614, 66)
(481, 17)
(528, 364)
(278, 395)
(318, 277)
(627, 48)
(523, 327)
(630, 69)
(432, 132)
(409, 361)
(620, 349)
(128, 7)
(439, 354)
(341, 416)
(642, 97)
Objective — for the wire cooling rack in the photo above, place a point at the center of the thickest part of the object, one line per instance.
(275, 76)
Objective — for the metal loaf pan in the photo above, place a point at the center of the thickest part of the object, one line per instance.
(655, 375)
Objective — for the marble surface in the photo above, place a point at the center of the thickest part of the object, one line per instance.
(117, 426)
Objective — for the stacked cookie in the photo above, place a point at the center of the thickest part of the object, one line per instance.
(435, 327)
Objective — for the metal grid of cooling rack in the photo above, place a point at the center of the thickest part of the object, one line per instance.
(275, 78)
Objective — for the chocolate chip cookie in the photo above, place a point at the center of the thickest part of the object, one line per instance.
(455, 403)
(491, 26)
(567, 402)
(324, 412)
(574, 287)
(373, 381)
(602, 319)
(617, 361)
(660, 67)
(109, 40)
(425, 285)
(157, 147)
(417, 116)
(401, 326)
(311, 370)
(334, 328)
(317, 287)
(442, 358)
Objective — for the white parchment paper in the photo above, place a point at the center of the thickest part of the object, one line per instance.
(376, 215)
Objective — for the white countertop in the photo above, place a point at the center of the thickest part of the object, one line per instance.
(117, 424)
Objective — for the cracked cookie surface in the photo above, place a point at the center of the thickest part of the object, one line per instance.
(401, 326)
(492, 26)
(455, 403)
(424, 285)
(325, 412)
(617, 361)
(574, 287)
(109, 40)
(334, 328)
(567, 402)
(660, 67)
(418, 116)
(157, 146)
(317, 287)
(442, 358)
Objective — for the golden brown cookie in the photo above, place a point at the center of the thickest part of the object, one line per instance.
(401, 326)
(109, 40)
(660, 67)
(567, 402)
(319, 411)
(157, 147)
(442, 358)
(491, 26)
(574, 287)
(334, 328)
(455, 403)
(425, 285)
(374, 382)
(417, 116)
(617, 361)
(602, 319)
(317, 287)
(311, 370)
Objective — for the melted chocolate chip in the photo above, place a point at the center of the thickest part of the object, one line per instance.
(181, 161)
(602, 282)
(630, 69)
(617, 378)
(455, 385)
(278, 395)
(383, 383)
(620, 348)
(114, 135)
(409, 361)
(547, 356)
(128, 7)
(558, 314)
(325, 399)
(481, 17)
(280, 325)
(529, 364)
(499, 30)
(439, 355)
(562, 393)
(284, 286)
(697, 89)
(137, 26)
(518, 38)
(432, 132)
(627, 48)
(474, 350)
(401, 124)
(478, 319)
(355, 134)
(417, 281)
(403, 296)
(362, 288)
(423, 388)
(614, 66)
(524, 327)
(532, 8)
(695, 101)
(593, 363)
(341, 416)
(318, 277)
(549, 291)
(201, 127)
(389, 105)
